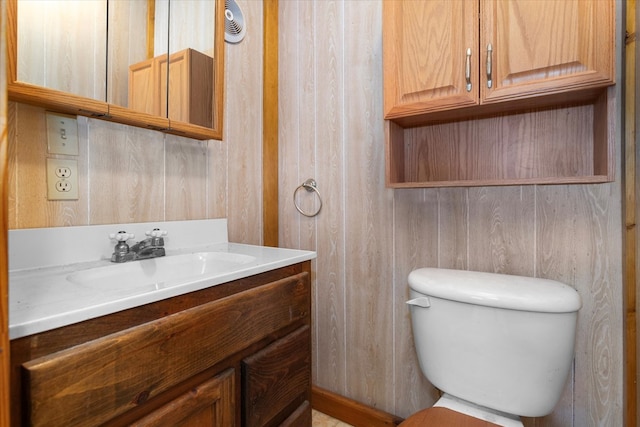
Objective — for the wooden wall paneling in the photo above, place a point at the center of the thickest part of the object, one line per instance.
(288, 122)
(551, 265)
(368, 209)
(415, 245)
(331, 169)
(453, 228)
(127, 167)
(218, 169)
(462, 150)
(308, 140)
(578, 242)
(186, 176)
(290, 168)
(33, 209)
(243, 129)
(502, 229)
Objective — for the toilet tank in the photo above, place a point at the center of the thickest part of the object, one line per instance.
(499, 341)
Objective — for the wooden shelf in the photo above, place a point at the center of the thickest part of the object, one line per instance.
(568, 145)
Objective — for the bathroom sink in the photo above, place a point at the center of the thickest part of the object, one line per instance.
(157, 273)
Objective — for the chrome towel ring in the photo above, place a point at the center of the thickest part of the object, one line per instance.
(309, 185)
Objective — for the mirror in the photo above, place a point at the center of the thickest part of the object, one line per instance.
(54, 39)
(150, 63)
(131, 29)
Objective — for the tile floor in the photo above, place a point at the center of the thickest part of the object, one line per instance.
(322, 420)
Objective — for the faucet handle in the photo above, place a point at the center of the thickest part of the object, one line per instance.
(156, 232)
(122, 236)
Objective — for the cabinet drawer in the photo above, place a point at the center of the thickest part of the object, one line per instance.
(275, 377)
(92, 383)
(210, 404)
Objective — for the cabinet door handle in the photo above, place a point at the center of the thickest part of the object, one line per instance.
(489, 78)
(467, 73)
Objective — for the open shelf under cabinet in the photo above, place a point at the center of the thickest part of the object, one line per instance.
(567, 145)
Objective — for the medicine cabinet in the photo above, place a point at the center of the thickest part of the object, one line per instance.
(81, 58)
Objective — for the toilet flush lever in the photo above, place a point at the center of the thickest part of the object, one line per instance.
(420, 302)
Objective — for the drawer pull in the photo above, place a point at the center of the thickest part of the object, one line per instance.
(489, 73)
(467, 71)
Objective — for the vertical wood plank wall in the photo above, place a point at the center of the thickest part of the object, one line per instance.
(368, 238)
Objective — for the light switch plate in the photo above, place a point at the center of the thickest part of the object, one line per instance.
(62, 179)
(62, 134)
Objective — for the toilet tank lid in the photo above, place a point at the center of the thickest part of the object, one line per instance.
(496, 290)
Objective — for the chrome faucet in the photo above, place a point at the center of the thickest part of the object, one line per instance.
(151, 247)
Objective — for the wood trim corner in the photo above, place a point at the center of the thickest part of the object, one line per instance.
(630, 209)
(270, 126)
(5, 370)
(350, 411)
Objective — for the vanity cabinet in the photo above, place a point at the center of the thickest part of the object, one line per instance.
(451, 62)
(233, 354)
(190, 92)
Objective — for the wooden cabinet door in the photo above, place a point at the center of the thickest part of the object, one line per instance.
(143, 94)
(175, 96)
(189, 95)
(277, 378)
(425, 45)
(211, 404)
(543, 47)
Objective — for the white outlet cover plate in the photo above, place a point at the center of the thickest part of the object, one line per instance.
(62, 134)
(53, 179)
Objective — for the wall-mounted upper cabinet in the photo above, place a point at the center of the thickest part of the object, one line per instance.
(498, 92)
(440, 58)
(75, 56)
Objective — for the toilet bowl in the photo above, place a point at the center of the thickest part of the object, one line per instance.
(498, 346)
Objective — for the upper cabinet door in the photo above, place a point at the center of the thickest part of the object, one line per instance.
(543, 47)
(426, 66)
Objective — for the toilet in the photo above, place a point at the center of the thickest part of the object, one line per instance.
(497, 346)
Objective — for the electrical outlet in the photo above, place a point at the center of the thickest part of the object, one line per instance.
(62, 179)
(63, 186)
(62, 134)
(63, 172)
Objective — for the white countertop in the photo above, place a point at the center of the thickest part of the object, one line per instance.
(43, 298)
